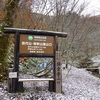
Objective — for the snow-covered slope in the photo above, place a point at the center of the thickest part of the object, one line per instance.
(78, 85)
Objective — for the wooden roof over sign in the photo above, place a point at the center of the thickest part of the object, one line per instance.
(34, 32)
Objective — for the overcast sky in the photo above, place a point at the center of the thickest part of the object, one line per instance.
(93, 7)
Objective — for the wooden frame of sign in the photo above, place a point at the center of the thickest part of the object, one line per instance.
(37, 43)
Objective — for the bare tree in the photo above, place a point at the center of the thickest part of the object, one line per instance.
(59, 15)
(56, 15)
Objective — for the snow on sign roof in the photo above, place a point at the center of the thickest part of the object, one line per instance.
(35, 32)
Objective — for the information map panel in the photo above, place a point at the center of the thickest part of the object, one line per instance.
(36, 44)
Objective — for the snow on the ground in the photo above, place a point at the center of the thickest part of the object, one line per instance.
(96, 60)
(78, 85)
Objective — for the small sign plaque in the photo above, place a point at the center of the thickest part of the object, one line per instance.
(36, 44)
(12, 74)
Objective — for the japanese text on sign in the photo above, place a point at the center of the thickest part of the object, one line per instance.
(36, 44)
(58, 72)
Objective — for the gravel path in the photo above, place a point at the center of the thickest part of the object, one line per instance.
(78, 85)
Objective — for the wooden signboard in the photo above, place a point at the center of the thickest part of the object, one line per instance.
(36, 44)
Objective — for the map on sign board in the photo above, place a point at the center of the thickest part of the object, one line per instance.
(36, 44)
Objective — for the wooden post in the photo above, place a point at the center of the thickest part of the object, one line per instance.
(16, 62)
(10, 81)
(51, 86)
(20, 87)
(57, 69)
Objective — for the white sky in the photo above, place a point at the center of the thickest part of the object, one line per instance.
(93, 7)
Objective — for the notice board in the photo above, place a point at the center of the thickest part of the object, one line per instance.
(36, 44)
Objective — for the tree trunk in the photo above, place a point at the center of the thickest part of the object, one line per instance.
(8, 19)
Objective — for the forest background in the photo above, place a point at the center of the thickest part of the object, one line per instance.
(81, 44)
